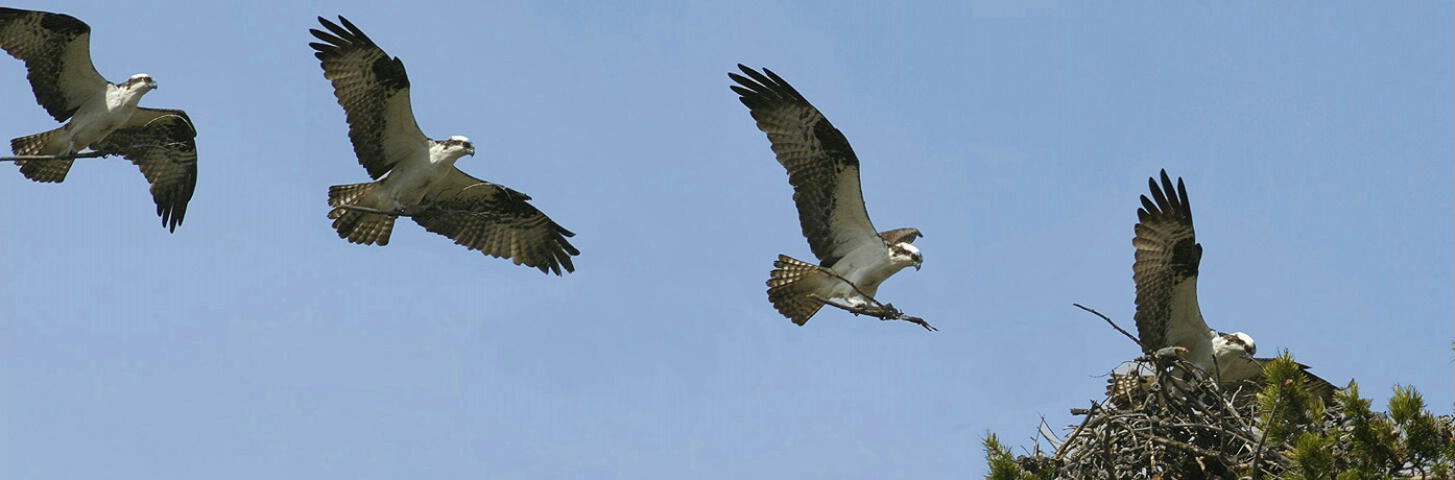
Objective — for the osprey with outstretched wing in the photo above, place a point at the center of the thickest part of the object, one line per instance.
(416, 176)
(101, 117)
(1165, 272)
(854, 259)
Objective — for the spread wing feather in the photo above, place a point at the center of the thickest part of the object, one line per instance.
(900, 235)
(821, 165)
(163, 144)
(497, 221)
(56, 49)
(374, 91)
(1167, 256)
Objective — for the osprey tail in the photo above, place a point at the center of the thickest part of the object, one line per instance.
(790, 287)
(356, 226)
(44, 143)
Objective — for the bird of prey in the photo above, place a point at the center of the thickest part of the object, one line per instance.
(416, 176)
(854, 259)
(1165, 272)
(104, 118)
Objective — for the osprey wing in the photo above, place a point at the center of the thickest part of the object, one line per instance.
(56, 49)
(374, 91)
(1166, 269)
(898, 235)
(497, 221)
(163, 144)
(821, 165)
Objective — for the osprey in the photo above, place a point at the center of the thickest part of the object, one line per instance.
(854, 259)
(1167, 315)
(103, 116)
(416, 176)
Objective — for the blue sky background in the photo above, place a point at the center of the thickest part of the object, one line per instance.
(1317, 141)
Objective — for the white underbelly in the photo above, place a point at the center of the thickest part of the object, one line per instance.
(408, 186)
(90, 127)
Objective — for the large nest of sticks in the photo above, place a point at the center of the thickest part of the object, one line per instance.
(1170, 421)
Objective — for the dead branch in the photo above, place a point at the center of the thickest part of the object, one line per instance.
(1113, 324)
(41, 158)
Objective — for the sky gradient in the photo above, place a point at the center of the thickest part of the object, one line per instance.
(1317, 142)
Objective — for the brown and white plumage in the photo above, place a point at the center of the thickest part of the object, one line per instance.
(824, 173)
(497, 221)
(414, 175)
(1165, 273)
(101, 116)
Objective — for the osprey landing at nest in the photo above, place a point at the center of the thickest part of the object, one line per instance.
(103, 117)
(854, 259)
(416, 176)
(1167, 259)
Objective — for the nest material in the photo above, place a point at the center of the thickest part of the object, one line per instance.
(1174, 424)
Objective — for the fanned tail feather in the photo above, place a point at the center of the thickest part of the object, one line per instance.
(788, 291)
(44, 143)
(356, 226)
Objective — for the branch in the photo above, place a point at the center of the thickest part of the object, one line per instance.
(427, 211)
(37, 158)
(1272, 417)
(1113, 324)
(1062, 448)
(877, 310)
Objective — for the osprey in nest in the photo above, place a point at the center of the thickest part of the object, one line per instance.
(102, 118)
(1168, 318)
(415, 176)
(854, 259)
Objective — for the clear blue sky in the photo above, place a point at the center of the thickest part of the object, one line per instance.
(1317, 141)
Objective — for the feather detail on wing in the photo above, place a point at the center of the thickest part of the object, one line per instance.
(1167, 256)
(374, 91)
(900, 235)
(56, 49)
(497, 221)
(162, 143)
(821, 165)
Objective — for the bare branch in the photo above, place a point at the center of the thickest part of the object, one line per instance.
(41, 158)
(1113, 325)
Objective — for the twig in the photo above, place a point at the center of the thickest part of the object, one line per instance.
(1272, 417)
(880, 310)
(37, 158)
(1113, 324)
(1062, 449)
(876, 310)
(417, 213)
(392, 213)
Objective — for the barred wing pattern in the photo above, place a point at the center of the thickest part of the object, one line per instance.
(821, 165)
(497, 221)
(162, 143)
(1167, 256)
(373, 89)
(56, 49)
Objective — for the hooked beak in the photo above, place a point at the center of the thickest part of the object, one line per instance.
(917, 264)
(470, 152)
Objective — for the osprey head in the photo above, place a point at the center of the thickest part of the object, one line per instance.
(456, 147)
(1234, 356)
(906, 255)
(140, 81)
(1232, 347)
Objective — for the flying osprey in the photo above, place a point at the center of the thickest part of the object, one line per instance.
(104, 117)
(854, 259)
(416, 176)
(1167, 315)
